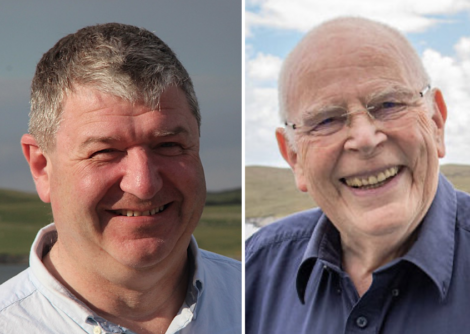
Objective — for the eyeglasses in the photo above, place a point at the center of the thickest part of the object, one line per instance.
(385, 107)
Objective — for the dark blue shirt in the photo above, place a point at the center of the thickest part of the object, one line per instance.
(295, 282)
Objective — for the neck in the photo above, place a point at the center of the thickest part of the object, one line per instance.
(361, 259)
(144, 301)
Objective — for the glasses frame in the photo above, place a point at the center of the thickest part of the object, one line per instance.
(421, 93)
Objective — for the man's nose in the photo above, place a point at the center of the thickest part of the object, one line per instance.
(363, 134)
(141, 176)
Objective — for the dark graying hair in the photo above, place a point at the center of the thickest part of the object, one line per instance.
(122, 60)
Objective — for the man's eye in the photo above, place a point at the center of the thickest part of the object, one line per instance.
(104, 153)
(388, 109)
(169, 148)
(171, 144)
(390, 105)
(328, 123)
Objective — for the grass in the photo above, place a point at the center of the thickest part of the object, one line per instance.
(220, 230)
(23, 214)
(272, 192)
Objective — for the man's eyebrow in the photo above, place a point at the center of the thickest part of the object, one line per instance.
(398, 91)
(99, 139)
(114, 139)
(172, 132)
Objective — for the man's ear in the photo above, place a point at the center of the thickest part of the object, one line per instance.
(439, 117)
(290, 155)
(38, 164)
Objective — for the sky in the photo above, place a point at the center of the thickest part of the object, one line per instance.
(439, 30)
(206, 37)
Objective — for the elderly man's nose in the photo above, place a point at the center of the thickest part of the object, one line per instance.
(363, 134)
(141, 177)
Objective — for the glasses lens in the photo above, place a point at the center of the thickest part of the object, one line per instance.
(325, 122)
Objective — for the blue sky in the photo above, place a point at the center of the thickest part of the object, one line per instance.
(439, 30)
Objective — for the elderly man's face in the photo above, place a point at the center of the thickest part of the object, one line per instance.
(399, 162)
(126, 182)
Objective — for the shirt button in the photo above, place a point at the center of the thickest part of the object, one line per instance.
(97, 330)
(361, 322)
(395, 292)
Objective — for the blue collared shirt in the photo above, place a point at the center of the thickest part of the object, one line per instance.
(34, 302)
(295, 282)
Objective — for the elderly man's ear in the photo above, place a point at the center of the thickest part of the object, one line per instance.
(439, 117)
(291, 157)
(39, 165)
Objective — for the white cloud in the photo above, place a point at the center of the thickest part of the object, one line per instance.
(261, 121)
(463, 48)
(261, 110)
(301, 15)
(452, 76)
(264, 67)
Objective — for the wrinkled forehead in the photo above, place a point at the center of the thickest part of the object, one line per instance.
(335, 63)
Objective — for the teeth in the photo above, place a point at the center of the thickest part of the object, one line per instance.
(131, 213)
(381, 177)
(372, 180)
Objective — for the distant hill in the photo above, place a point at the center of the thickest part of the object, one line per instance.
(225, 197)
(272, 192)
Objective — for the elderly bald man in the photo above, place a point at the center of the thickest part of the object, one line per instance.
(388, 251)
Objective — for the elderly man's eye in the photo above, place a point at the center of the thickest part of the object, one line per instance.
(391, 105)
(328, 123)
(388, 110)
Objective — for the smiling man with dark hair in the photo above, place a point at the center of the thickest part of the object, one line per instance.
(113, 145)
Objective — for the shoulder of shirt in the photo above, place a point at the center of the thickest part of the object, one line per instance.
(16, 290)
(219, 260)
(463, 210)
(289, 229)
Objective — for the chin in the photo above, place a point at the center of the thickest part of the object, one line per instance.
(142, 254)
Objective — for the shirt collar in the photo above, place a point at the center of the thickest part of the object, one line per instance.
(427, 253)
(196, 284)
(437, 229)
(60, 297)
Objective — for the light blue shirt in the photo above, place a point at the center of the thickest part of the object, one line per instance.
(34, 302)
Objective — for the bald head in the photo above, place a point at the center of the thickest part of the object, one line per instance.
(355, 43)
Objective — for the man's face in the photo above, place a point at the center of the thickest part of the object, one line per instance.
(126, 182)
(346, 74)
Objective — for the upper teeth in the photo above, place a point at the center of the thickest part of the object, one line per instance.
(132, 213)
(372, 180)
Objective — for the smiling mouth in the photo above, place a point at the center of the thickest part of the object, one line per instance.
(133, 213)
(372, 181)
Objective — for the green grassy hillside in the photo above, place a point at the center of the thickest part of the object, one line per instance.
(272, 192)
(23, 214)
